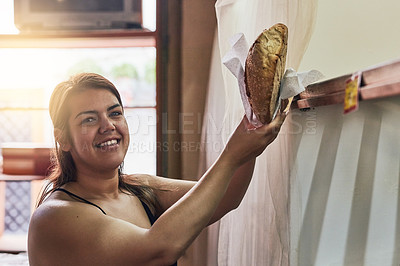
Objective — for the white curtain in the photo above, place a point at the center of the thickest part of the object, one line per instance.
(257, 233)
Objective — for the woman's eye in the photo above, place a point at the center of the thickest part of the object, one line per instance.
(88, 120)
(116, 113)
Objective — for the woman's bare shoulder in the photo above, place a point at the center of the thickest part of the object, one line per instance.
(58, 205)
(58, 215)
(54, 226)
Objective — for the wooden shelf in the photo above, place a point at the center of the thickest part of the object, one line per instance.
(4, 177)
(377, 82)
(80, 39)
(13, 243)
(82, 33)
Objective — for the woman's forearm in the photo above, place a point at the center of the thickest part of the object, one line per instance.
(236, 190)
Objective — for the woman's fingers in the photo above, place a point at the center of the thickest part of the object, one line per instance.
(274, 126)
(247, 143)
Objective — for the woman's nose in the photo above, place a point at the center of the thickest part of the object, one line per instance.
(106, 125)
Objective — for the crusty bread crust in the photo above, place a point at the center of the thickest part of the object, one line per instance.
(264, 69)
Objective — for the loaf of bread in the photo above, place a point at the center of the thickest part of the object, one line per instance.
(264, 69)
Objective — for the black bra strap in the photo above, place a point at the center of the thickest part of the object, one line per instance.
(152, 219)
(80, 198)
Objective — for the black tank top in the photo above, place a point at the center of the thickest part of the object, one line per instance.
(152, 218)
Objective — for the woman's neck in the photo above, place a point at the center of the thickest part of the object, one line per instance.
(97, 185)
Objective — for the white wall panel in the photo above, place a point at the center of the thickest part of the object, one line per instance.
(345, 187)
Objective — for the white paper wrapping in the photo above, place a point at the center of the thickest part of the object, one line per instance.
(292, 82)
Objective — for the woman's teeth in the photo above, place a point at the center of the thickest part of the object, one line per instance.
(108, 143)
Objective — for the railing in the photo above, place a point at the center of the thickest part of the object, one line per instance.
(377, 82)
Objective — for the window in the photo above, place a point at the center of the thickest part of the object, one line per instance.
(32, 67)
(32, 74)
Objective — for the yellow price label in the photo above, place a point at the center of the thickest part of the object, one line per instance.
(351, 98)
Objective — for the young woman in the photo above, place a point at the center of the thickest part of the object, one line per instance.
(92, 214)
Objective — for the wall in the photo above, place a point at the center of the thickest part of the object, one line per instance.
(198, 27)
(188, 29)
(345, 204)
(352, 35)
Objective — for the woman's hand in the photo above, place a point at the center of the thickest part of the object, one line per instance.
(246, 142)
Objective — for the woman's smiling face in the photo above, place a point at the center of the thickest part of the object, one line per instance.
(99, 135)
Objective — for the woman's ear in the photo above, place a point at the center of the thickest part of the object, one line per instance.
(60, 138)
